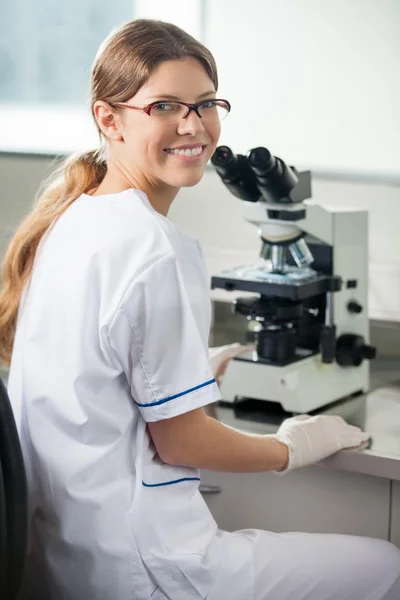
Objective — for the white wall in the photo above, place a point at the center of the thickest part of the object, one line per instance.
(316, 81)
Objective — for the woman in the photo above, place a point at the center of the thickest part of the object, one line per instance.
(110, 370)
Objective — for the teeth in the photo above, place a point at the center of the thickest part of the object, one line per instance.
(185, 151)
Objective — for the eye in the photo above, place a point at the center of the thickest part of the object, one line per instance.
(208, 104)
(163, 107)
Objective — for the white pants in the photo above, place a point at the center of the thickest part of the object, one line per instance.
(299, 566)
(259, 565)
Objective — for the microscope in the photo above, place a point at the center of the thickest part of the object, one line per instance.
(306, 296)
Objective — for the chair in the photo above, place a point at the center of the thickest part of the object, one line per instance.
(3, 533)
(13, 502)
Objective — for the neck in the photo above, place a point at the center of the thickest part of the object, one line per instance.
(160, 196)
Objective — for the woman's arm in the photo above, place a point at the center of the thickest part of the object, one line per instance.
(196, 440)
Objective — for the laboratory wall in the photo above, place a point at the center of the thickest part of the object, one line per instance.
(316, 81)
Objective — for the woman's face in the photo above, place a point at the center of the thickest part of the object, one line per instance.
(148, 141)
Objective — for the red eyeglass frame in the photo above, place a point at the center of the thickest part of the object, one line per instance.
(190, 107)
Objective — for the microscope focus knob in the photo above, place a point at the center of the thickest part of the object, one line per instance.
(351, 350)
(354, 307)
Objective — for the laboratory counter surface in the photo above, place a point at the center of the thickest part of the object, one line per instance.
(377, 413)
(355, 491)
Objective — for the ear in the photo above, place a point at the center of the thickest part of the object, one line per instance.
(108, 120)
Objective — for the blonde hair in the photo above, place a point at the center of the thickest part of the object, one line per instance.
(124, 62)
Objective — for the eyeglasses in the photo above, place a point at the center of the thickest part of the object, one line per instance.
(210, 111)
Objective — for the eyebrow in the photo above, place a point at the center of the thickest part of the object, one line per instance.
(170, 97)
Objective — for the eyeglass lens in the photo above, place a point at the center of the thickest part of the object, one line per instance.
(210, 111)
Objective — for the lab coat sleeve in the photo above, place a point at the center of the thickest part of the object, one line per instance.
(161, 345)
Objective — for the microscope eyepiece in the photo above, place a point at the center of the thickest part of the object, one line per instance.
(226, 164)
(264, 164)
(261, 160)
(236, 173)
(275, 180)
(222, 156)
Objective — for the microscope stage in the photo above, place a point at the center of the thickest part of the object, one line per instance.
(294, 283)
(252, 357)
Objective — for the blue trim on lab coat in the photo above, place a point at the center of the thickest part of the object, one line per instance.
(177, 395)
(170, 482)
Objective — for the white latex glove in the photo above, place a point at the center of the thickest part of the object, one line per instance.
(221, 355)
(311, 439)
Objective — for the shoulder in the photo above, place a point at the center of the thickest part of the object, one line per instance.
(112, 241)
(121, 230)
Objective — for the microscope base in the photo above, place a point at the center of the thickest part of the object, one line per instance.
(299, 387)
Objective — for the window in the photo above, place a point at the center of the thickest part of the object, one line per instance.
(46, 51)
(47, 47)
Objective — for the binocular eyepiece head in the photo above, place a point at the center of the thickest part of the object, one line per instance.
(259, 174)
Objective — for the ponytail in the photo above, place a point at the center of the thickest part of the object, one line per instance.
(77, 175)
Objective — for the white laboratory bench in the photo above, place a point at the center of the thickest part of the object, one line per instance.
(355, 491)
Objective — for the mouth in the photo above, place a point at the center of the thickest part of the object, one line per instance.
(192, 151)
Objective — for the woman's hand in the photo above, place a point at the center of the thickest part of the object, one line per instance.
(310, 439)
(221, 355)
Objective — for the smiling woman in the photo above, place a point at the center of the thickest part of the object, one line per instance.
(101, 223)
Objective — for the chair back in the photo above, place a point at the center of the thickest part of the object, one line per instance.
(13, 502)
(3, 533)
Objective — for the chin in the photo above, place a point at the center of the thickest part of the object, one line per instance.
(188, 179)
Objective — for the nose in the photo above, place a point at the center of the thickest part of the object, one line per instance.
(192, 125)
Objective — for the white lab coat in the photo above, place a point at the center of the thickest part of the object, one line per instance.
(112, 333)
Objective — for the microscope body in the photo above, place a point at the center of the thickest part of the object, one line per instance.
(310, 304)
